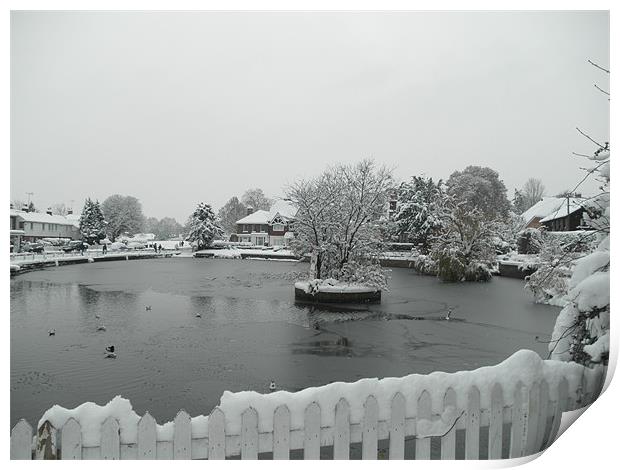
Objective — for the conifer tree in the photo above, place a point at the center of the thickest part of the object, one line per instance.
(92, 222)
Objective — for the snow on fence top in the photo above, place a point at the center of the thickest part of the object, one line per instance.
(523, 366)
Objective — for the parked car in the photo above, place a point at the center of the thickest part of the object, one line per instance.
(74, 245)
(33, 247)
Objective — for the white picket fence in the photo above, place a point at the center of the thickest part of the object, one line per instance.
(526, 427)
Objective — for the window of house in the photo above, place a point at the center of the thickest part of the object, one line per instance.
(278, 227)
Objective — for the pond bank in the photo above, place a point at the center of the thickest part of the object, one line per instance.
(20, 267)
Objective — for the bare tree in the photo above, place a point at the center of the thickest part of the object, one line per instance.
(256, 199)
(533, 191)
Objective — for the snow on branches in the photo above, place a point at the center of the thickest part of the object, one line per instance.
(92, 222)
(203, 226)
(338, 221)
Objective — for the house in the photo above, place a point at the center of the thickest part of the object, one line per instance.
(267, 228)
(37, 225)
(17, 231)
(556, 214)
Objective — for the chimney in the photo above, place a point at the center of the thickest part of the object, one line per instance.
(49, 211)
(25, 207)
(250, 210)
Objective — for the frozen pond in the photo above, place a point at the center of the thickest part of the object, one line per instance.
(250, 332)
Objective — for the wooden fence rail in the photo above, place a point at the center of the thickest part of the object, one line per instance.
(496, 431)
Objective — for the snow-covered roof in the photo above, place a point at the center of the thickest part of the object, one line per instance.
(549, 208)
(258, 217)
(43, 217)
(279, 207)
(566, 208)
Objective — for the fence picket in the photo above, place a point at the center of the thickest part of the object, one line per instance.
(543, 415)
(147, 438)
(21, 441)
(423, 446)
(217, 435)
(397, 427)
(46, 442)
(71, 440)
(532, 419)
(448, 441)
(472, 429)
(281, 433)
(369, 429)
(342, 431)
(560, 406)
(182, 439)
(496, 422)
(249, 434)
(312, 432)
(518, 429)
(110, 440)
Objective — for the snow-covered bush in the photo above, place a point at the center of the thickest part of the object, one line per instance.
(369, 274)
(530, 241)
(549, 283)
(464, 251)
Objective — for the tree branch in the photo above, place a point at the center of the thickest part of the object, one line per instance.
(598, 66)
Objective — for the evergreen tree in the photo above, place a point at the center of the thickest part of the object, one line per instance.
(203, 227)
(417, 218)
(92, 222)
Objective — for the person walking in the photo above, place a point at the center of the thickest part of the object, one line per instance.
(105, 249)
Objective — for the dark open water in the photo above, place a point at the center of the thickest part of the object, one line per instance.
(251, 331)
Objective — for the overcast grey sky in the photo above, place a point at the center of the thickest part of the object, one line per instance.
(177, 108)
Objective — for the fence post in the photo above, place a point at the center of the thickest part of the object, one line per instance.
(281, 433)
(21, 441)
(217, 435)
(397, 427)
(472, 431)
(369, 429)
(312, 432)
(46, 442)
(448, 442)
(71, 440)
(342, 431)
(496, 425)
(249, 434)
(147, 438)
(182, 440)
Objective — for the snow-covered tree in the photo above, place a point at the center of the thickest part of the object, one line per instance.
(256, 199)
(337, 221)
(417, 218)
(123, 214)
(92, 222)
(230, 212)
(203, 226)
(581, 331)
(464, 248)
(480, 188)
